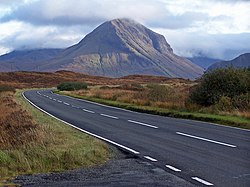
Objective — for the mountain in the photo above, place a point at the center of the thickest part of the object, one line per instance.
(203, 61)
(122, 47)
(242, 61)
(26, 60)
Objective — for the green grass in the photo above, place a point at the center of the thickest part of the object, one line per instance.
(61, 148)
(227, 120)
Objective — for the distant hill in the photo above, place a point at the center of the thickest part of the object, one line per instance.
(114, 49)
(26, 60)
(242, 61)
(203, 62)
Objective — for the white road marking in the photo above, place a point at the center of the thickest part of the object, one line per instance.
(202, 181)
(172, 168)
(50, 97)
(38, 93)
(89, 111)
(54, 99)
(59, 101)
(65, 103)
(144, 124)
(105, 115)
(204, 139)
(150, 158)
(190, 120)
(87, 132)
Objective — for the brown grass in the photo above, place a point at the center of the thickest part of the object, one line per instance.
(16, 126)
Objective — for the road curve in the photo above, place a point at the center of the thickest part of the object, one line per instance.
(202, 153)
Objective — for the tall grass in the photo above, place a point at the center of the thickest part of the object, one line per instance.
(167, 100)
(32, 142)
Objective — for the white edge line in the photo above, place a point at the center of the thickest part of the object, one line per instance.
(144, 124)
(83, 100)
(173, 168)
(108, 116)
(205, 139)
(150, 158)
(87, 132)
(202, 181)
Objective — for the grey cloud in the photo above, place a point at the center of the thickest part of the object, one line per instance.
(54, 12)
(222, 46)
(188, 19)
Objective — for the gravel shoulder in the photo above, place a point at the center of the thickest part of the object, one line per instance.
(123, 170)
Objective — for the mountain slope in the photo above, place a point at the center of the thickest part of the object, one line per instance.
(123, 47)
(26, 60)
(116, 48)
(242, 61)
(203, 61)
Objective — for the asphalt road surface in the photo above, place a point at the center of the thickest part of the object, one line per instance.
(204, 154)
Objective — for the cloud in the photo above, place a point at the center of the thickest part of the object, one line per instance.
(221, 46)
(63, 12)
(192, 27)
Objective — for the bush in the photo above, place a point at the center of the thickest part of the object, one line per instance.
(158, 92)
(71, 86)
(6, 88)
(221, 82)
(242, 102)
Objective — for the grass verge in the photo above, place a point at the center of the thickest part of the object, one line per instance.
(228, 120)
(57, 147)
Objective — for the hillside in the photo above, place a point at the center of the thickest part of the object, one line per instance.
(203, 61)
(26, 60)
(242, 61)
(123, 47)
(114, 49)
(49, 79)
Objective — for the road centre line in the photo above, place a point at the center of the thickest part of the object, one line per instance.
(144, 124)
(113, 117)
(150, 158)
(202, 181)
(87, 132)
(65, 103)
(89, 111)
(205, 139)
(173, 168)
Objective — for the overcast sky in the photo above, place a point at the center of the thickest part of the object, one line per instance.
(214, 28)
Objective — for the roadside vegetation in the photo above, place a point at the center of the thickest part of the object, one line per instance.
(71, 86)
(221, 96)
(32, 142)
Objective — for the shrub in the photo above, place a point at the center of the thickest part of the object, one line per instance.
(6, 88)
(158, 92)
(242, 102)
(221, 82)
(224, 104)
(71, 86)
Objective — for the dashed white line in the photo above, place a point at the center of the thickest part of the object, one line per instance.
(144, 124)
(54, 99)
(202, 181)
(150, 158)
(59, 101)
(89, 111)
(105, 115)
(92, 134)
(50, 97)
(204, 139)
(173, 168)
(65, 103)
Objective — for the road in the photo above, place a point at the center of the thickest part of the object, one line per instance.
(202, 153)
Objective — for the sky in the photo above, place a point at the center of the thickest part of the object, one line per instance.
(212, 28)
